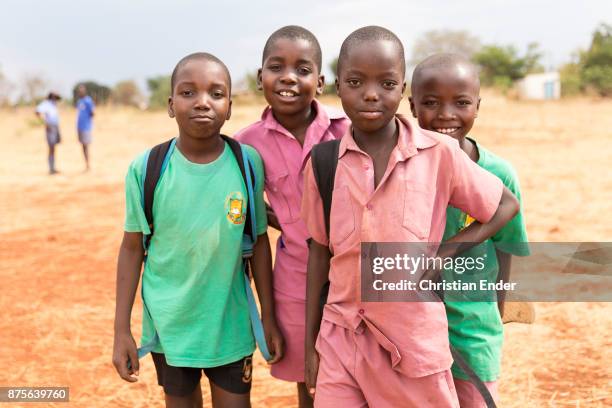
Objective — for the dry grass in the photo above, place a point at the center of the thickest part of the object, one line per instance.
(59, 238)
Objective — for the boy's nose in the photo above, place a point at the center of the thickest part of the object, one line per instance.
(446, 112)
(370, 94)
(288, 77)
(202, 102)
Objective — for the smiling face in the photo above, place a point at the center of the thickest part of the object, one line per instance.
(200, 100)
(289, 76)
(446, 99)
(370, 84)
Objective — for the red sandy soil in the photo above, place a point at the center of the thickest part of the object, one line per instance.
(59, 238)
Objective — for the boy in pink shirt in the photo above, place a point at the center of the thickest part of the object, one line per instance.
(393, 183)
(294, 122)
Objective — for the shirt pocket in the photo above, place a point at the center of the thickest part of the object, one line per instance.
(418, 210)
(279, 194)
(342, 219)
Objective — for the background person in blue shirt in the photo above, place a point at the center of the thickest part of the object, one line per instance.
(85, 107)
(47, 112)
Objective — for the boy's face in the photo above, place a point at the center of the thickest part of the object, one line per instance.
(200, 100)
(446, 100)
(82, 91)
(289, 77)
(371, 84)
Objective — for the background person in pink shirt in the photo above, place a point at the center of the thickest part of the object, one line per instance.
(393, 183)
(294, 122)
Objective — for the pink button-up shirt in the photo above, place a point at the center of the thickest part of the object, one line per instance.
(426, 173)
(284, 161)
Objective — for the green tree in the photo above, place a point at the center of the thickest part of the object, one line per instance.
(330, 83)
(502, 65)
(447, 41)
(159, 88)
(251, 82)
(99, 93)
(127, 93)
(596, 62)
(6, 87)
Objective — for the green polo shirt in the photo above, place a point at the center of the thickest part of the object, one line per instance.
(475, 328)
(193, 284)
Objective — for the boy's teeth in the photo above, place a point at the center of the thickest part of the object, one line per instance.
(446, 130)
(284, 93)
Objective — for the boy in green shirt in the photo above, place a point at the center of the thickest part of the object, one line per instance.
(445, 99)
(193, 286)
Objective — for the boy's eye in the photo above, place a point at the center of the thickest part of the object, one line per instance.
(353, 82)
(304, 70)
(389, 84)
(464, 102)
(218, 94)
(187, 92)
(430, 103)
(274, 67)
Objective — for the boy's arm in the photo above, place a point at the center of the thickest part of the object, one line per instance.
(317, 274)
(272, 219)
(129, 265)
(317, 271)
(479, 232)
(504, 260)
(261, 264)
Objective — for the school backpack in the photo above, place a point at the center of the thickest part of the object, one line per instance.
(324, 158)
(154, 165)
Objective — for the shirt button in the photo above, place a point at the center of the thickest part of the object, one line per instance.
(369, 207)
(361, 311)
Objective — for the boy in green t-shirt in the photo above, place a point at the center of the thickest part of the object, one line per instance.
(193, 286)
(445, 99)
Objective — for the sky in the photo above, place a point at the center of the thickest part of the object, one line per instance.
(67, 41)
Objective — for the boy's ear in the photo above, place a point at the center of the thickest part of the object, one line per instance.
(320, 84)
(259, 84)
(337, 87)
(403, 88)
(477, 107)
(170, 107)
(229, 111)
(412, 109)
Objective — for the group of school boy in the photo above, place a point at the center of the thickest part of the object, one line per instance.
(394, 182)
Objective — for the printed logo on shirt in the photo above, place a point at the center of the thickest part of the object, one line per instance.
(234, 207)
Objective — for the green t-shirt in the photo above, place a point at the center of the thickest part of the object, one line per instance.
(193, 283)
(475, 328)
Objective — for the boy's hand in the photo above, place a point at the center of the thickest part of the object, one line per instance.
(274, 340)
(311, 370)
(125, 356)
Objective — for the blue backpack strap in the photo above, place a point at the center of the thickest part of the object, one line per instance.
(154, 164)
(248, 240)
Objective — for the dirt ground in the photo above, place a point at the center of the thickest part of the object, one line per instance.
(59, 238)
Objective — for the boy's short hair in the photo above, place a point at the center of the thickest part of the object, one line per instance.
(293, 32)
(369, 34)
(441, 60)
(199, 55)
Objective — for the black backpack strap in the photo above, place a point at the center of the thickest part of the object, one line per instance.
(324, 163)
(155, 162)
(324, 158)
(237, 151)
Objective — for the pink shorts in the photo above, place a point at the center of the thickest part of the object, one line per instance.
(469, 397)
(355, 371)
(291, 320)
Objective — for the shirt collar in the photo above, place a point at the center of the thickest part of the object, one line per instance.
(323, 118)
(410, 140)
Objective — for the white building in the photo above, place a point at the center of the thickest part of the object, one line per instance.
(546, 85)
